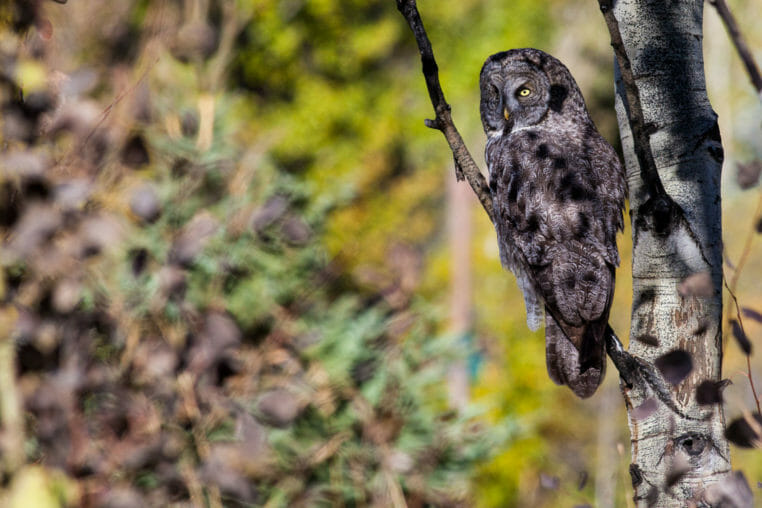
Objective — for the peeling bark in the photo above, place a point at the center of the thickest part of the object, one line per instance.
(679, 449)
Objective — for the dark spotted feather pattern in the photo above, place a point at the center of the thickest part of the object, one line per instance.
(558, 191)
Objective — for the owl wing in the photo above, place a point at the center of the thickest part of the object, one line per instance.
(558, 209)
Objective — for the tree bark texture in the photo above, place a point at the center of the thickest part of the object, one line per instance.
(678, 449)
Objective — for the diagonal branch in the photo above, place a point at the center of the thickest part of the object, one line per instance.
(464, 163)
(664, 212)
(640, 133)
(740, 44)
(638, 373)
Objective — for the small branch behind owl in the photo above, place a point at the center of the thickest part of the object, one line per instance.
(740, 43)
(640, 130)
(465, 167)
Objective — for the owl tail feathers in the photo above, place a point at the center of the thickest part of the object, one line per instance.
(582, 369)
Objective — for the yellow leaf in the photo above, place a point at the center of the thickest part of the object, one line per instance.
(41, 488)
(31, 76)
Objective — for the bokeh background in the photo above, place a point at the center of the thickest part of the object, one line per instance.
(238, 271)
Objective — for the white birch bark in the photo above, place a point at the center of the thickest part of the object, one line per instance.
(663, 41)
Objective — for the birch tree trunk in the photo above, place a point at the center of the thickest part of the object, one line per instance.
(680, 451)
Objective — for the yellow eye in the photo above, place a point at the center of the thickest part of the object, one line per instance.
(524, 92)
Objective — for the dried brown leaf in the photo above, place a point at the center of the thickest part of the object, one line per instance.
(646, 409)
(745, 431)
(740, 336)
(680, 467)
(710, 392)
(697, 284)
(583, 477)
(747, 174)
(549, 482)
(279, 407)
(732, 491)
(144, 203)
(295, 231)
(193, 238)
(675, 365)
(271, 211)
(752, 314)
(135, 152)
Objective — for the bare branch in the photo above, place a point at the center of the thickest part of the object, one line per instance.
(464, 163)
(740, 44)
(638, 373)
(731, 287)
(740, 323)
(642, 145)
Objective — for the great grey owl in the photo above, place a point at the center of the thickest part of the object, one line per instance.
(558, 190)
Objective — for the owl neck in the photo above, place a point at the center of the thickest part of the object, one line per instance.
(527, 128)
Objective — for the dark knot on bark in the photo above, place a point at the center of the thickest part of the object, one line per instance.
(659, 214)
(692, 443)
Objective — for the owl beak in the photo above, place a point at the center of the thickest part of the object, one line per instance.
(506, 114)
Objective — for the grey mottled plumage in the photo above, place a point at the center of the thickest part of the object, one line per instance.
(558, 190)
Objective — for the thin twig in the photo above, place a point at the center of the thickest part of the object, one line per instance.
(740, 43)
(751, 382)
(731, 287)
(232, 24)
(747, 245)
(464, 163)
(748, 361)
(69, 157)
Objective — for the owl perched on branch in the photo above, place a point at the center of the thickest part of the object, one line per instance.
(558, 191)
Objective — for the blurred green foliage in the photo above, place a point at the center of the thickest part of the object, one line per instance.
(338, 87)
(348, 114)
(302, 215)
(179, 332)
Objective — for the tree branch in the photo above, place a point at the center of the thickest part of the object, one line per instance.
(640, 131)
(740, 44)
(464, 163)
(638, 373)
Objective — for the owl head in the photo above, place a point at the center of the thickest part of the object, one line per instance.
(522, 87)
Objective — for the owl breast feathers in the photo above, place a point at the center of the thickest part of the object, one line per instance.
(558, 190)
